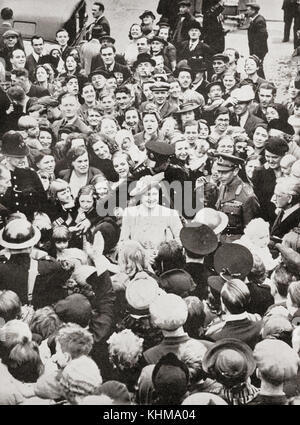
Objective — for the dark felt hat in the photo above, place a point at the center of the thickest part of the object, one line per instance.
(147, 13)
(233, 260)
(194, 24)
(198, 239)
(161, 40)
(281, 125)
(184, 68)
(13, 144)
(254, 6)
(75, 308)
(230, 358)
(143, 57)
(108, 38)
(100, 71)
(164, 22)
(197, 64)
(277, 146)
(177, 281)
(228, 162)
(215, 83)
(160, 148)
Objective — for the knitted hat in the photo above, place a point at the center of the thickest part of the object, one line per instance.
(81, 377)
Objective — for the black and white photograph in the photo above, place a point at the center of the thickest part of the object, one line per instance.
(149, 205)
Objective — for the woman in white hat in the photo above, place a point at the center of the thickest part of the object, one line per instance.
(149, 223)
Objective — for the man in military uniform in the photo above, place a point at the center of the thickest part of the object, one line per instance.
(236, 198)
(26, 193)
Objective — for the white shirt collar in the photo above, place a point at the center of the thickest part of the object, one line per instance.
(235, 317)
(36, 57)
(289, 211)
(243, 119)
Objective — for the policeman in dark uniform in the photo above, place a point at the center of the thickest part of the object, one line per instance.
(36, 282)
(236, 198)
(26, 194)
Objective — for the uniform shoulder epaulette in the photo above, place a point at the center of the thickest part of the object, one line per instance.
(248, 189)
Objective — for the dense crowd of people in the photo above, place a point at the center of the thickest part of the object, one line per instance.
(149, 215)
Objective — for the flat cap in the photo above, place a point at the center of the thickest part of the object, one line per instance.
(10, 33)
(160, 39)
(253, 6)
(147, 13)
(221, 56)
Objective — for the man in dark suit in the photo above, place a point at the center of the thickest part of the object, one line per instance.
(264, 178)
(289, 12)
(97, 60)
(257, 34)
(26, 193)
(33, 59)
(62, 38)
(287, 200)
(108, 56)
(100, 20)
(198, 241)
(183, 23)
(169, 10)
(213, 31)
(235, 298)
(193, 47)
(244, 97)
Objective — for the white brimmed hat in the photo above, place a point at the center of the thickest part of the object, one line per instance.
(216, 220)
(19, 234)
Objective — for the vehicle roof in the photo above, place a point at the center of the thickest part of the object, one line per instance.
(49, 16)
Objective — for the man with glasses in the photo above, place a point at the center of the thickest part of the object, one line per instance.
(264, 178)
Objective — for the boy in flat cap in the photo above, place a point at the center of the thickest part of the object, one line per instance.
(236, 198)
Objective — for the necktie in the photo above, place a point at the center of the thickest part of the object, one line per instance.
(277, 221)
